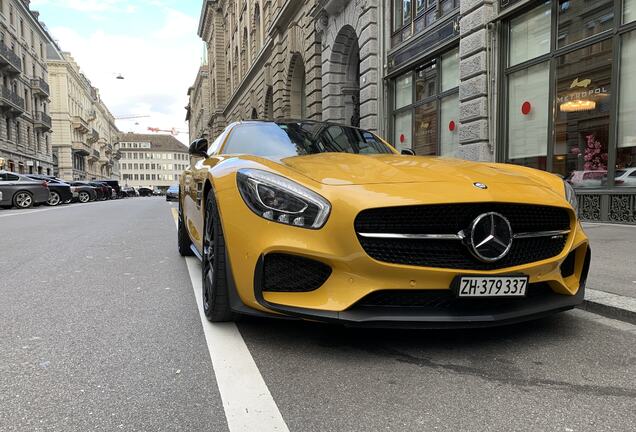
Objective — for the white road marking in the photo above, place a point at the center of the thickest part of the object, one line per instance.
(248, 404)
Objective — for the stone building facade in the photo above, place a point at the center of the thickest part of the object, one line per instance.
(542, 84)
(153, 161)
(198, 109)
(25, 124)
(313, 59)
(84, 128)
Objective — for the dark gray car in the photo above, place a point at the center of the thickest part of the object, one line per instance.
(21, 191)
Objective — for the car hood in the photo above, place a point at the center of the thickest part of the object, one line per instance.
(352, 169)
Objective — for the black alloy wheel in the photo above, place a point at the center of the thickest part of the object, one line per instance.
(216, 302)
(54, 199)
(23, 200)
(84, 197)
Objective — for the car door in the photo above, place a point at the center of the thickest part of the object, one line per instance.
(8, 186)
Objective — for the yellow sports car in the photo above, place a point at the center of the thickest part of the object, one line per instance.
(325, 222)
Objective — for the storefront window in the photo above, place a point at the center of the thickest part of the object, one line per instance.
(449, 136)
(426, 129)
(530, 34)
(403, 130)
(450, 70)
(580, 19)
(626, 145)
(426, 81)
(427, 111)
(403, 91)
(528, 110)
(629, 13)
(582, 108)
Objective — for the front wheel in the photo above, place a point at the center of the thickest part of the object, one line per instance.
(23, 200)
(84, 197)
(216, 301)
(54, 199)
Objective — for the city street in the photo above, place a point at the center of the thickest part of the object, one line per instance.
(101, 331)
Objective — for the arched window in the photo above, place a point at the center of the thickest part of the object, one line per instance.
(244, 53)
(298, 96)
(258, 38)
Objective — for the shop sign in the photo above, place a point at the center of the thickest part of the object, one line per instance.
(586, 91)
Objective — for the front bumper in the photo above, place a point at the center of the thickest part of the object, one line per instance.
(355, 275)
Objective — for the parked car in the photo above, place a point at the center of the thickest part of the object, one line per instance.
(626, 177)
(145, 192)
(587, 179)
(83, 192)
(59, 191)
(21, 191)
(102, 190)
(114, 184)
(129, 192)
(292, 213)
(172, 194)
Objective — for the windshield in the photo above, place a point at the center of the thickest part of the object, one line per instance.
(298, 139)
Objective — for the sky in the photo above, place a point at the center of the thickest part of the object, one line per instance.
(153, 44)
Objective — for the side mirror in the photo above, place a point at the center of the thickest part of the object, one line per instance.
(408, 152)
(199, 147)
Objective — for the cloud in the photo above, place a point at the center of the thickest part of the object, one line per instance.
(158, 68)
(85, 5)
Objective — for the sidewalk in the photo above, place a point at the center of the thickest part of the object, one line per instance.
(611, 284)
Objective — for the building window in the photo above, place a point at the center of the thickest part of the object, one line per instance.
(528, 111)
(427, 107)
(414, 16)
(626, 145)
(530, 34)
(560, 92)
(580, 19)
(629, 11)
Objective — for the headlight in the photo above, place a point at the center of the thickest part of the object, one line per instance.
(570, 195)
(281, 200)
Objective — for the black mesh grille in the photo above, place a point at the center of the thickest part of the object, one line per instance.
(450, 219)
(445, 300)
(291, 273)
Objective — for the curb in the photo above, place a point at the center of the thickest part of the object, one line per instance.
(610, 305)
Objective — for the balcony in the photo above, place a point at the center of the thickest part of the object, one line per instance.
(9, 61)
(93, 137)
(108, 148)
(42, 121)
(10, 101)
(92, 115)
(80, 148)
(40, 87)
(117, 155)
(94, 155)
(80, 124)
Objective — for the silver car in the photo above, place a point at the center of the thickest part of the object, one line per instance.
(21, 191)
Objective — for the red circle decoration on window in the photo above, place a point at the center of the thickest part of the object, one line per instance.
(402, 138)
(526, 107)
(452, 126)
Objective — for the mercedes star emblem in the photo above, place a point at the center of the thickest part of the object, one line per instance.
(490, 237)
(480, 185)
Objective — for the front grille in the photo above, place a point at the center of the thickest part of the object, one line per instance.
(291, 273)
(445, 300)
(451, 219)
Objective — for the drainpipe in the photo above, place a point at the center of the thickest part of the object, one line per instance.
(382, 129)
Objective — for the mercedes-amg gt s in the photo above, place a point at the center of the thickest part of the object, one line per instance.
(326, 222)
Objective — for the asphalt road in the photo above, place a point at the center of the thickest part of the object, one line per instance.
(99, 330)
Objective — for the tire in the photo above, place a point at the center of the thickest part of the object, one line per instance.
(54, 199)
(84, 197)
(183, 239)
(216, 301)
(23, 200)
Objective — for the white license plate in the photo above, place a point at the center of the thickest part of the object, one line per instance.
(492, 286)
